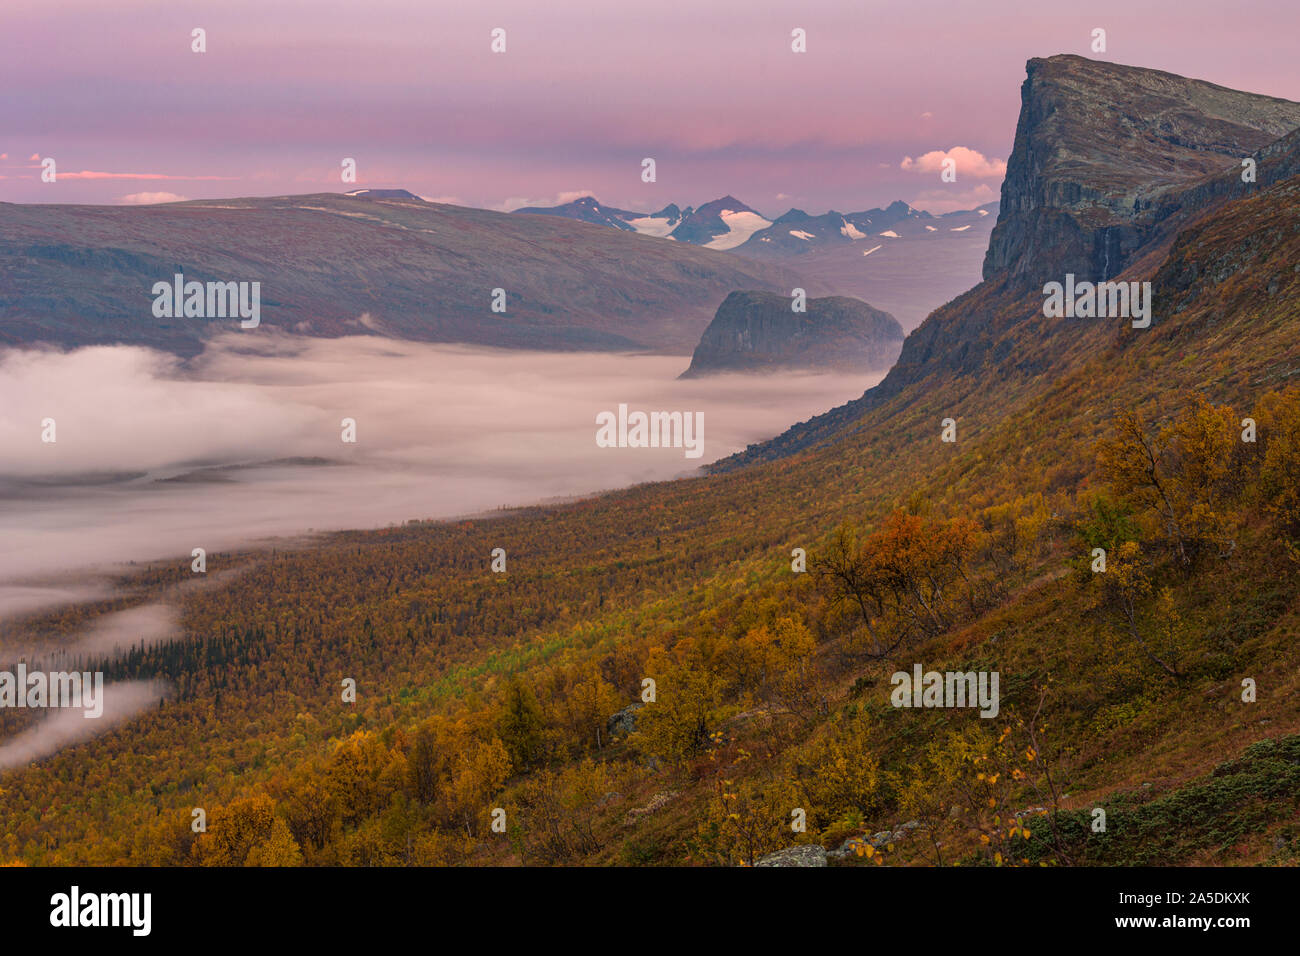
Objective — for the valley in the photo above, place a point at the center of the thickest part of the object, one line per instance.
(480, 691)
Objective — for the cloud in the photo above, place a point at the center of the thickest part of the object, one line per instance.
(927, 115)
(122, 700)
(34, 158)
(367, 321)
(939, 201)
(518, 202)
(94, 174)
(969, 162)
(4, 155)
(149, 198)
(156, 456)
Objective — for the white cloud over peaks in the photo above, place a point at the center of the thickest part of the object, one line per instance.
(141, 199)
(969, 162)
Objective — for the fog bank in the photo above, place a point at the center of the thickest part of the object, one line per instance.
(154, 457)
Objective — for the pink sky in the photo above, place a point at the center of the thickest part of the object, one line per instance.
(583, 92)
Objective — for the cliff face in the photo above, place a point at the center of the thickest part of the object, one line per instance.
(1103, 154)
(758, 331)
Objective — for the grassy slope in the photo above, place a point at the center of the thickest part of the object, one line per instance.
(651, 564)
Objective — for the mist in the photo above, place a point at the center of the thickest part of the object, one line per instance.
(154, 456)
(122, 701)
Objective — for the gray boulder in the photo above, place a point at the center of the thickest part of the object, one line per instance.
(809, 855)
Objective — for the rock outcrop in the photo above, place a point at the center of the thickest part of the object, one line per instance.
(760, 332)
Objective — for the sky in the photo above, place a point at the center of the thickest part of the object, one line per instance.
(585, 90)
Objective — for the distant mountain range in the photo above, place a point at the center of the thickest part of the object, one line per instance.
(384, 261)
(900, 259)
(728, 223)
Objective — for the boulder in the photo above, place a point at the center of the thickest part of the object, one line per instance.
(807, 855)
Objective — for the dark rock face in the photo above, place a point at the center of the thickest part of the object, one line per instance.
(759, 331)
(1103, 155)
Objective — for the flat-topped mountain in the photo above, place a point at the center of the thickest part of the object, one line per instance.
(760, 332)
(1101, 152)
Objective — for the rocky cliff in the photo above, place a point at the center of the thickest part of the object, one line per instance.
(759, 331)
(1103, 154)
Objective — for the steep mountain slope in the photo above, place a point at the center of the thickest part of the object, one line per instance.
(76, 275)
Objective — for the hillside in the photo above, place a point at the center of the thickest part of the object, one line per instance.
(80, 275)
(1120, 691)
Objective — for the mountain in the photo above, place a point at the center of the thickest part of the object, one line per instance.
(78, 275)
(1074, 201)
(796, 233)
(721, 224)
(585, 209)
(759, 331)
(1102, 152)
(588, 209)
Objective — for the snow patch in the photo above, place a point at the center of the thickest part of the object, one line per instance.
(872, 249)
(959, 228)
(740, 226)
(800, 234)
(850, 231)
(890, 234)
(650, 226)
